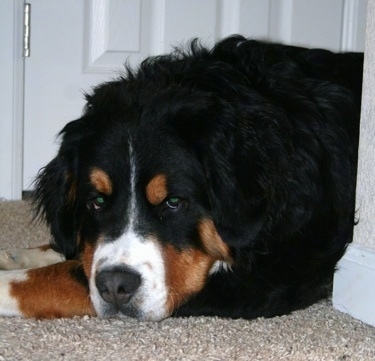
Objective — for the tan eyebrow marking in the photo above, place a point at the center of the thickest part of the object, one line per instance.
(101, 181)
(156, 189)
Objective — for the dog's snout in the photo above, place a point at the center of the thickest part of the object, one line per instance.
(117, 286)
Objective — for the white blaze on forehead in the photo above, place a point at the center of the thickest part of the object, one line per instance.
(140, 254)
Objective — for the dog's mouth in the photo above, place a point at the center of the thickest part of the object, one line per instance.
(144, 292)
(133, 299)
(127, 277)
(124, 291)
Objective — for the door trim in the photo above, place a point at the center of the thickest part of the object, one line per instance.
(351, 23)
(11, 161)
(18, 101)
(353, 291)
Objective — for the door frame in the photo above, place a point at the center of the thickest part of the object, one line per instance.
(12, 118)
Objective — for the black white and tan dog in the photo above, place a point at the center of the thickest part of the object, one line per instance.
(205, 182)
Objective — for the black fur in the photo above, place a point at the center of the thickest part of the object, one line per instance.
(266, 137)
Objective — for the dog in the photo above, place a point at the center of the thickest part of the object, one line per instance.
(216, 182)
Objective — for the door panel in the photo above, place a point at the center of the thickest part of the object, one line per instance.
(116, 30)
(54, 79)
(76, 44)
(338, 25)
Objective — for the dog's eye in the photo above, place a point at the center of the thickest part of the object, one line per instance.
(98, 202)
(173, 203)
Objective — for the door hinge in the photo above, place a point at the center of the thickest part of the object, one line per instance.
(26, 30)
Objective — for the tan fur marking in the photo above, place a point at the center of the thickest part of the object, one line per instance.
(156, 190)
(52, 292)
(186, 274)
(212, 242)
(101, 181)
(87, 258)
(187, 270)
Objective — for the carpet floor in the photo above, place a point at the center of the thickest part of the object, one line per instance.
(316, 333)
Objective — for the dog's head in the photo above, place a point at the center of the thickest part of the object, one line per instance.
(146, 190)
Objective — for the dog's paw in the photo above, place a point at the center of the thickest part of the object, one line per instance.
(9, 260)
(28, 258)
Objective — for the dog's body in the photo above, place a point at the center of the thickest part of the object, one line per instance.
(213, 182)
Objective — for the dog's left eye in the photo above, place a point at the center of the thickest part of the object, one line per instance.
(98, 202)
(173, 203)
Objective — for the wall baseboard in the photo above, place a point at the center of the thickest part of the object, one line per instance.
(353, 287)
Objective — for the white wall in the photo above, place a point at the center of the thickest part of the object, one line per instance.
(354, 290)
(365, 231)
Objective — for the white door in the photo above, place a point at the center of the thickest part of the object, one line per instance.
(76, 44)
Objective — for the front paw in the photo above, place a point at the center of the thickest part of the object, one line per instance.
(9, 260)
(22, 258)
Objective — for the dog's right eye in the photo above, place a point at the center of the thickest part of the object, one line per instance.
(173, 203)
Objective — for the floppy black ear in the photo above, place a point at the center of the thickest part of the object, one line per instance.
(234, 167)
(54, 197)
(238, 199)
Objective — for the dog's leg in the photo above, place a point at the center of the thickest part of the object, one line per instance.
(29, 258)
(58, 290)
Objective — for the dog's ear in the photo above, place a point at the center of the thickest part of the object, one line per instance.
(54, 197)
(234, 165)
(238, 199)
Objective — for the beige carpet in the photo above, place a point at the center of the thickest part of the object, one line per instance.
(317, 333)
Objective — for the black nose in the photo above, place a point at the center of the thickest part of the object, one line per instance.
(116, 286)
